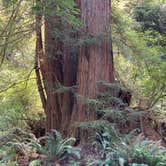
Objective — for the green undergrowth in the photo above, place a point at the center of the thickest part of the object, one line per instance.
(112, 150)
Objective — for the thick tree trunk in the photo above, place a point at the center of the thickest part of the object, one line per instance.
(58, 68)
(61, 71)
(54, 70)
(95, 60)
(58, 65)
(54, 77)
(70, 68)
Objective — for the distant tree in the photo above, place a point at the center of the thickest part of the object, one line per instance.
(151, 16)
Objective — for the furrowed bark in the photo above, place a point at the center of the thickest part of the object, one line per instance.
(95, 60)
(54, 76)
(70, 68)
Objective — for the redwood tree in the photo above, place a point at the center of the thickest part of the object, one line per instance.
(95, 60)
(59, 67)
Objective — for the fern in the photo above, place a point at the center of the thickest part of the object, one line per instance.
(56, 149)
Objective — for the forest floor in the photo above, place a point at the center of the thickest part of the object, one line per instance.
(152, 133)
(89, 153)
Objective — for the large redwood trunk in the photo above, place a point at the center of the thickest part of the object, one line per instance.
(58, 68)
(58, 65)
(95, 60)
(54, 76)
(69, 68)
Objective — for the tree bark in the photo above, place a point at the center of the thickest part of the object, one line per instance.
(70, 68)
(59, 66)
(96, 60)
(61, 72)
(54, 77)
(58, 69)
(38, 56)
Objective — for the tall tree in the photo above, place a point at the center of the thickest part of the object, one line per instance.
(54, 75)
(95, 60)
(59, 66)
(50, 62)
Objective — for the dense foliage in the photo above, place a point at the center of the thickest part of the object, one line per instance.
(140, 40)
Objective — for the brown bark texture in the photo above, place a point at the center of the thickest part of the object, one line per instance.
(54, 73)
(38, 56)
(69, 73)
(95, 60)
(59, 67)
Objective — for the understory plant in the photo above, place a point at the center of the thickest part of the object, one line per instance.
(140, 152)
(7, 155)
(103, 141)
(55, 148)
(13, 143)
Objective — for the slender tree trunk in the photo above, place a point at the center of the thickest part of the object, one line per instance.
(38, 57)
(96, 60)
(41, 68)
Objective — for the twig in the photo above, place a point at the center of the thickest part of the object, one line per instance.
(14, 84)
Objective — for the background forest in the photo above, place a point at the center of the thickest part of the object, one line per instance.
(52, 113)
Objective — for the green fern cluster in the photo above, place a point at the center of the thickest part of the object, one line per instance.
(140, 152)
(7, 155)
(55, 149)
(13, 143)
(133, 153)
